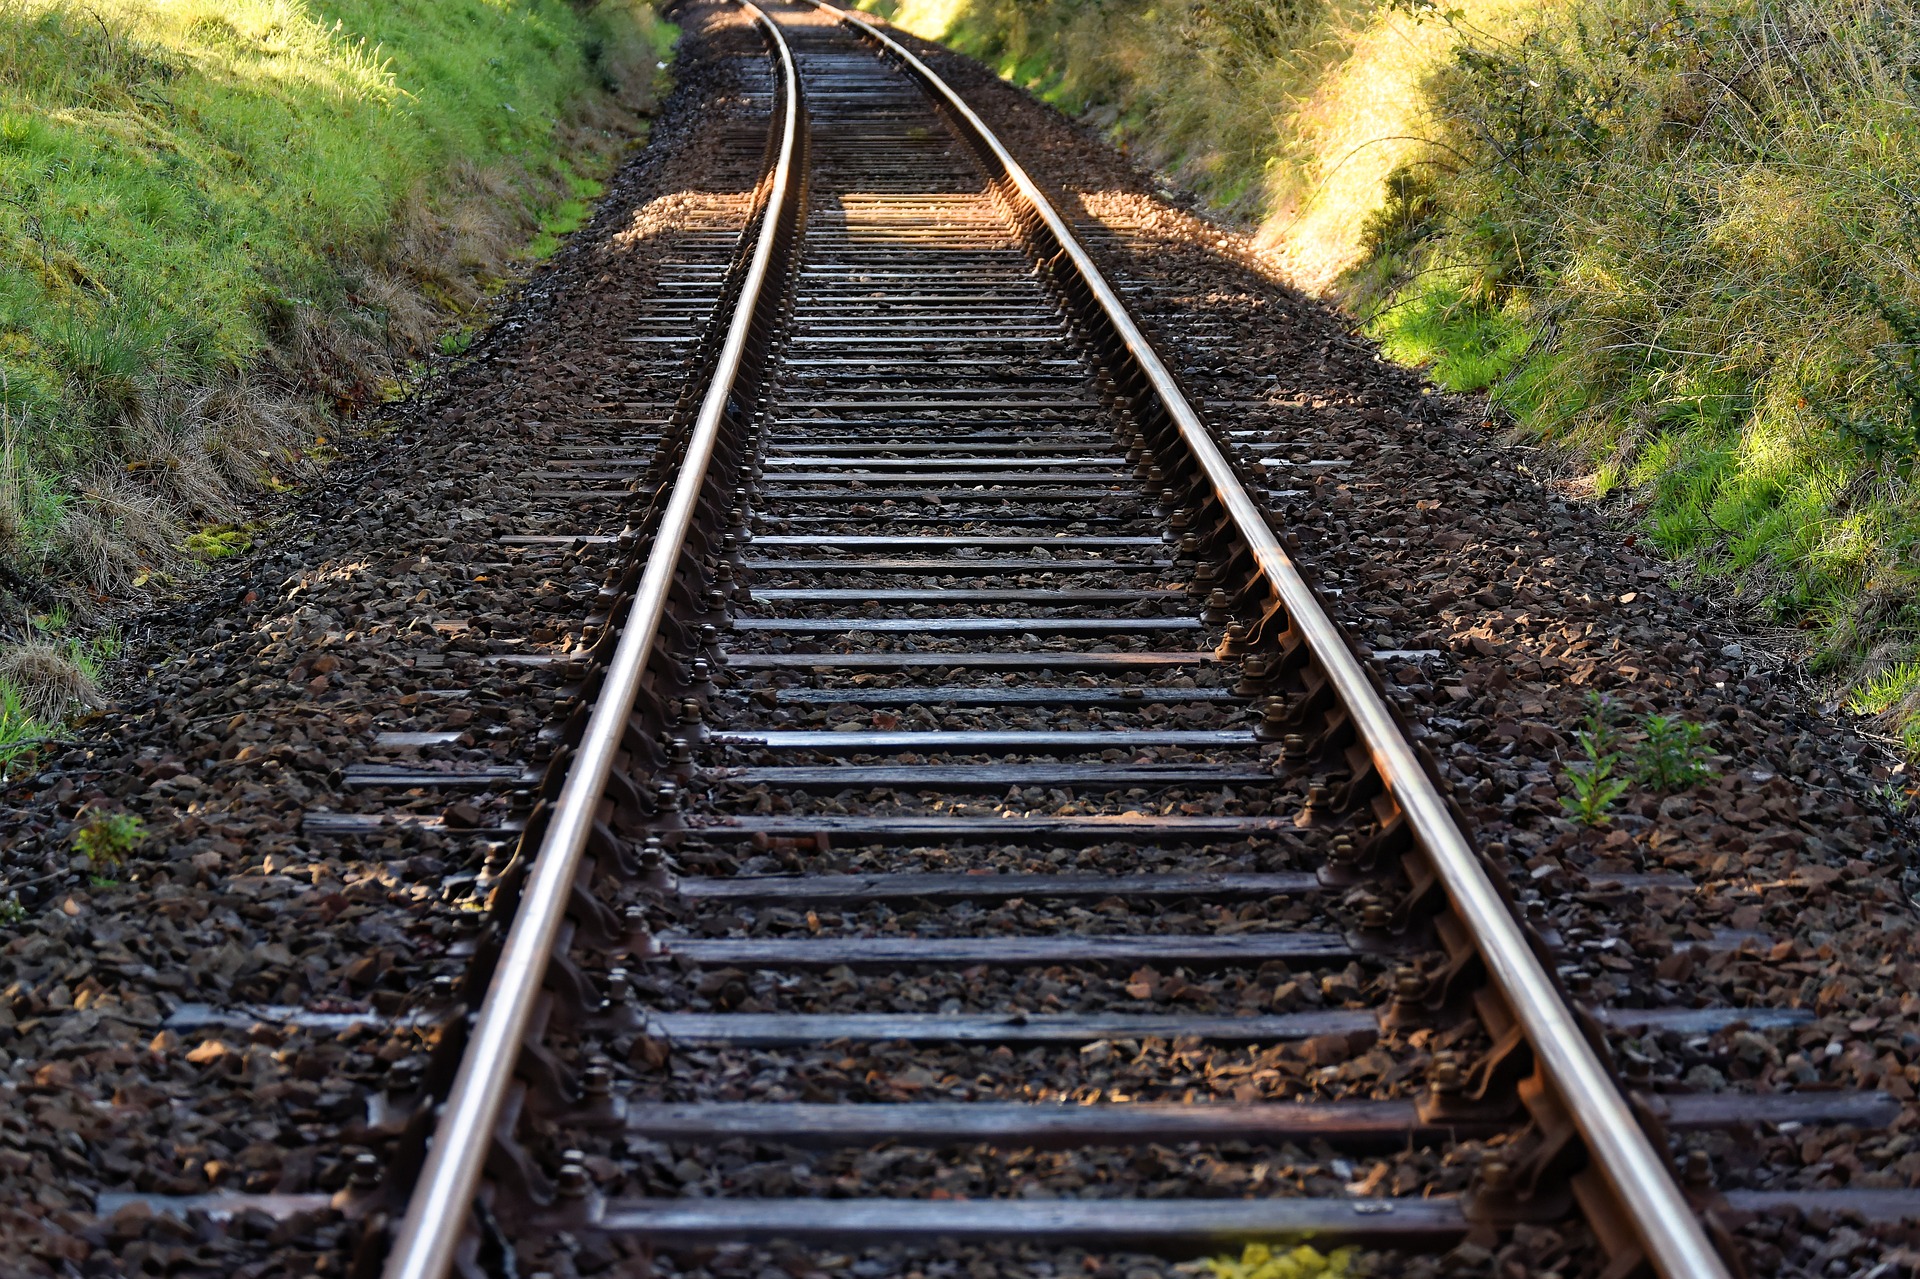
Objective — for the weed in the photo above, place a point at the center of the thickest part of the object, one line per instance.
(12, 912)
(1591, 781)
(1673, 755)
(1894, 797)
(102, 882)
(1601, 724)
(1680, 242)
(109, 838)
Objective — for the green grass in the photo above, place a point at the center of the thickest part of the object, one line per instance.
(1719, 291)
(223, 221)
(1463, 346)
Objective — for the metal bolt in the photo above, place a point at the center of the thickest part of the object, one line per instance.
(682, 751)
(1444, 1073)
(690, 712)
(1156, 478)
(1189, 544)
(1293, 746)
(366, 1172)
(709, 635)
(1180, 519)
(1409, 985)
(444, 989)
(1344, 849)
(702, 672)
(496, 862)
(1238, 631)
(668, 796)
(1218, 601)
(1697, 1171)
(402, 1078)
(1376, 918)
(619, 986)
(574, 1181)
(653, 853)
(1495, 1174)
(596, 1081)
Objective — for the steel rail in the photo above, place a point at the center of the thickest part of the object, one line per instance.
(437, 1213)
(1667, 1226)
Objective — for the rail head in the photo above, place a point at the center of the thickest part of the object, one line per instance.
(436, 1219)
(1668, 1228)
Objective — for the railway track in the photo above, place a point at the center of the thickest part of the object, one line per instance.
(964, 827)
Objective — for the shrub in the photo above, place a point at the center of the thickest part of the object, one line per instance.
(108, 839)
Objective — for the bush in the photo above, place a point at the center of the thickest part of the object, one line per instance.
(1702, 216)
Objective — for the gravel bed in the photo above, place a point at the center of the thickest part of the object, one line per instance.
(387, 600)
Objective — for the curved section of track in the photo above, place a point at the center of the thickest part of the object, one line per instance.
(971, 735)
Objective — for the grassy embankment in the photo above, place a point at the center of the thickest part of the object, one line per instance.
(225, 224)
(1673, 239)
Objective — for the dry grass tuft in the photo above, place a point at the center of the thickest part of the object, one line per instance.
(46, 679)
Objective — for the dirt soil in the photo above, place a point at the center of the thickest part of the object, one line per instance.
(1507, 603)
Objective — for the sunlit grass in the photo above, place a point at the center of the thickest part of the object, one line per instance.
(207, 198)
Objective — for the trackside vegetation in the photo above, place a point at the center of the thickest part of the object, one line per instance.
(1676, 241)
(226, 223)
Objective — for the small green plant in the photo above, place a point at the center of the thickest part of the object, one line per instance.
(1602, 723)
(102, 882)
(1674, 754)
(1894, 797)
(1592, 781)
(455, 342)
(12, 912)
(1594, 786)
(107, 840)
